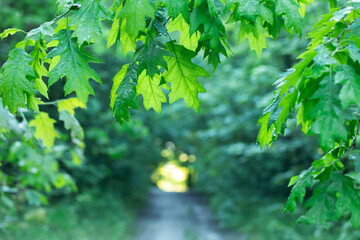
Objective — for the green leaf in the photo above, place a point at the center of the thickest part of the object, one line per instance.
(255, 33)
(133, 15)
(198, 2)
(114, 34)
(215, 7)
(350, 91)
(116, 83)
(63, 23)
(127, 43)
(354, 28)
(286, 104)
(123, 93)
(187, 40)
(39, 55)
(354, 52)
(274, 117)
(14, 79)
(88, 20)
(151, 57)
(33, 102)
(333, 3)
(35, 198)
(5, 118)
(321, 207)
(74, 64)
(158, 25)
(182, 74)
(213, 36)
(152, 93)
(305, 180)
(348, 198)
(290, 9)
(62, 4)
(9, 31)
(45, 29)
(72, 124)
(293, 180)
(335, 195)
(266, 14)
(44, 129)
(69, 105)
(247, 9)
(328, 118)
(175, 8)
(321, 29)
(266, 132)
(341, 13)
(293, 76)
(324, 56)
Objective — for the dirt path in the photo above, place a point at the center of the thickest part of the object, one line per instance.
(177, 216)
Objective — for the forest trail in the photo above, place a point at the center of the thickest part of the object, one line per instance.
(177, 216)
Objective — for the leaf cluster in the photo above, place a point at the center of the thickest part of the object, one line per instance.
(321, 92)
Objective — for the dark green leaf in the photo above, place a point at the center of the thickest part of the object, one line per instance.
(15, 79)
(151, 58)
(74, 64)
(88, 20)
(124, 93)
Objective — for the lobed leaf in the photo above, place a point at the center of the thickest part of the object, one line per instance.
(182, 74)
(88, 20)
(44, 129)
(74, 64)
(149, 88)
(305, 180)
(15, 79)
(123, 93)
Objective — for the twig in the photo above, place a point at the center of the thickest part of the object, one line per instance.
(49, 103)
(343, 31)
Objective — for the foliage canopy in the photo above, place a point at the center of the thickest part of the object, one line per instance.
(163, 37)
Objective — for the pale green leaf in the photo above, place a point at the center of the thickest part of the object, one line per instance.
(182, 74)
(72, 124)
(134, 12)
(187, 40)
(152, 93)
(45, 130)
(69, 105)
(9, 31)
(116, 83)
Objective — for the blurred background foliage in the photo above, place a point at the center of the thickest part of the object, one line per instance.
(94, 190)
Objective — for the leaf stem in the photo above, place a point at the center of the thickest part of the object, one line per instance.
(60, 16)
(50, 103)
(346, 28)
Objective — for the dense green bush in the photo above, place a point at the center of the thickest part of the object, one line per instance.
(90, 216)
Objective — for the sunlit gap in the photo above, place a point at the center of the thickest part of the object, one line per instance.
(174, 174)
